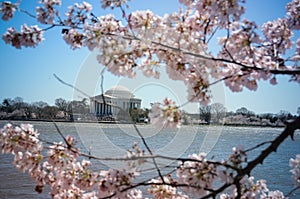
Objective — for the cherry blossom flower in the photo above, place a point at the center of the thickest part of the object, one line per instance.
(135, 194)
(136, 153)
(199, 175)
(273, 81)
(46, 14)
(73, 38)
(30, 36)
(295, 170)
(112, 3)
(77, 14)
(165, 115)
(292, 9)
(278, 36)
(238, 156)
(8, 9)
(161, 191)
(253, 190)
(223, 11)
(114, 181)
(148, 67)
(273, 194)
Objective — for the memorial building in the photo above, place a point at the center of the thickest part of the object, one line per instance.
(112, 101)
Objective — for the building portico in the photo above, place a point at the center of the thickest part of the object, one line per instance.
(112, 101)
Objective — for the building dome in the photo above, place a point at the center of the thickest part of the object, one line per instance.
(119, 92)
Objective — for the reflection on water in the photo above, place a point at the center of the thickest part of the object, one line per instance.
(111, 140)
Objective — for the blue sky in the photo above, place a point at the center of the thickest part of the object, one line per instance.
(28, 73)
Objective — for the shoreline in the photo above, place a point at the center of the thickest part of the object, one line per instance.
(126, 122)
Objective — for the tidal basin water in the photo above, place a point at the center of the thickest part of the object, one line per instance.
(113, 140)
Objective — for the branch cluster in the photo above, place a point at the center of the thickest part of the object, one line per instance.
(143, 40)
(68, 177)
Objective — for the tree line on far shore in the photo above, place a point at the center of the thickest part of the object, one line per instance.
(216, 113)
(63, 109)
(17, 108)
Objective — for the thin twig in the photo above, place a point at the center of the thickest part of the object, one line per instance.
(150, 152)
(257, 146)
(292, 191)
(63, 137)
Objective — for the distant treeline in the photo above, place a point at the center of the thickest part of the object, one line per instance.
(216, 113)
(63, 109)
(18, 109)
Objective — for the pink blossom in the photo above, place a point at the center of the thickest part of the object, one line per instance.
(295, 169)
(253, 190)
(77, 14)
(198, 174)
(292, 9)
(46, 14)
(162, 191)
(273, 81)
(8, 9)
(165, 115)
(238, 157)
(187, 2)
(112, 3)
(73, 38)
(238, 45)
(135, 153)
(135, 194)
(30, 36)
(12, 37)
(273, 195)
(114, 181)
(223, 11)
(278, 35)
(148, 67)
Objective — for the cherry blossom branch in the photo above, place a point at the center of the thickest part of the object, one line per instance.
(186, 52)
(288, 131)
(28, 13)
(209, 85)
(292, 191)
(150, 152)
(69, 146)
(246, 67)
(240, 172)
(258, 146)
(134, 125)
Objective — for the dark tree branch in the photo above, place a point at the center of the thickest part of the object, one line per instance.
(150, 152)
(63, 137)
(186, 52)
(257, 146)
(292, 191)
(288, 131)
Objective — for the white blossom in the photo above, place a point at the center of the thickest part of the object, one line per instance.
(8, 9)
(295, 169)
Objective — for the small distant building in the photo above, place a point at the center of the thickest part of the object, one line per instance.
(116, 98)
